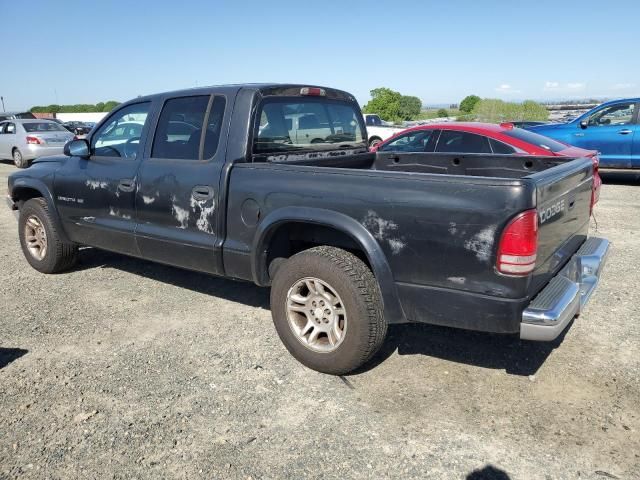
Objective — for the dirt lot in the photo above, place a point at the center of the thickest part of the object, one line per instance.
(127, 369)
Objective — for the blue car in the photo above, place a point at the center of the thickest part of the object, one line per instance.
(611, 128)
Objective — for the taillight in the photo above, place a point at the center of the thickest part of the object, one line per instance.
(597, 182)
(33, 141)
(519, 244)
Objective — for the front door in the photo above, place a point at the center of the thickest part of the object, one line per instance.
(177, 200)
(96, 196)
(610, 130)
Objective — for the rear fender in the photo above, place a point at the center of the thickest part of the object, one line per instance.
(393, 312)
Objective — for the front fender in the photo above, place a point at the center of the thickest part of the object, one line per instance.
(393, 312)
(22, 189)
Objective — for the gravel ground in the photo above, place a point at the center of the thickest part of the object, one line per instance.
(126, 369)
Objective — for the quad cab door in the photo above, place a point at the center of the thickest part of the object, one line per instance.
(96, 196)
(178, 193)
(612, 131)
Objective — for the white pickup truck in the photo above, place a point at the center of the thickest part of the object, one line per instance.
(378, 130)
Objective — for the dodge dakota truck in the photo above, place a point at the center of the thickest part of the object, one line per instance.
(349, 240)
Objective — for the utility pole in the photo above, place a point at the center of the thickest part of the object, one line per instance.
(2, 98)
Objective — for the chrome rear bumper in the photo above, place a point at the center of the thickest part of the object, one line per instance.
(562, 299)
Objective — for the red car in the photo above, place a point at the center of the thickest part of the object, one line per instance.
(472, 137)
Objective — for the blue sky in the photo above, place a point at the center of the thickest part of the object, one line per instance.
(85, 52)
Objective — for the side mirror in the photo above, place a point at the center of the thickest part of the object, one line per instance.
(584, 124)
(77, 148)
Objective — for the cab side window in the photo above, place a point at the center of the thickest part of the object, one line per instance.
(454, 141)
(179, 129)
(10, 128)
(418, 141)
(120, 135)
(501, 148)
(620, 114)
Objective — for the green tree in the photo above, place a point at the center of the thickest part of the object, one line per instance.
(410, 107)
(385, 102)
(443, 113)
(534, 111)
(468, 103)
(110, 105)
(494, 110)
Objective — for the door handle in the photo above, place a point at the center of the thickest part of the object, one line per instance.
(127, 184)
(625, 131)
(202, 192)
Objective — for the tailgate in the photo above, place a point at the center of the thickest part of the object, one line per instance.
(563, 200)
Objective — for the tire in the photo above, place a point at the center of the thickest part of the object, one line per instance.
(345, 278)
(18, 159)
(374, 141)
(56, 256)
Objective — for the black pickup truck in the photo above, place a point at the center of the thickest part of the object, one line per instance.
(274, 184)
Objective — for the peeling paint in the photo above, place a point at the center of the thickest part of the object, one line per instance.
(88, 219)
(458, 280)
(381, 230)
(181, 215)
(379, 227)
(202, 223)
(453, 228)
(114, 212)
(148, 200)
(96, 184)
(396, 245)
(482, 243)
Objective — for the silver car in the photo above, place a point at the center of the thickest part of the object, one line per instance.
(24, 139)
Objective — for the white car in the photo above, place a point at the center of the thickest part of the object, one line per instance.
(378, 130)
(23, 140)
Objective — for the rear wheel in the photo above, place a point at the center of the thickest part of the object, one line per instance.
(327, 309)
(40, 241)
(18, 159)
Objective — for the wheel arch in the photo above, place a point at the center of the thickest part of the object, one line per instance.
(26, 189)
(343, 225)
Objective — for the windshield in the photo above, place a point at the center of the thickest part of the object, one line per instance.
(308, 124)
(536, 139)
(43, 127)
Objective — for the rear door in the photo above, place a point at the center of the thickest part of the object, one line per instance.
(178, 186)
(611, 131)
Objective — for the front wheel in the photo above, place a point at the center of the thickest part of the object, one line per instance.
(327, 309)
(40, 241)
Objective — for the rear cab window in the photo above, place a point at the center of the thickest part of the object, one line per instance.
(536, 139)
(305, 124)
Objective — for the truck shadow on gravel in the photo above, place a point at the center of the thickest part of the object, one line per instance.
(499, 352)
(235, 291)
(8, 355)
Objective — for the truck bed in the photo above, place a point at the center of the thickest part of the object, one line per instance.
(438, 219)
(474, 165)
